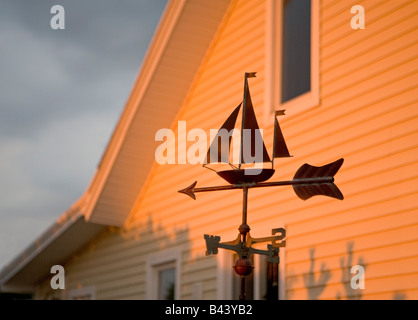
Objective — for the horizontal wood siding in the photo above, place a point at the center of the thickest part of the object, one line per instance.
(369, 116)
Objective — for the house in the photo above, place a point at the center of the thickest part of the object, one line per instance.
(348, 93)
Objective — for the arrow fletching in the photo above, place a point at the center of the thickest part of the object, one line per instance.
(329, 189)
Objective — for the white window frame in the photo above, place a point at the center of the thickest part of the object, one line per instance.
(273, 75)
(157, 262)
(225, 274)
(197, 289)
(82, 292)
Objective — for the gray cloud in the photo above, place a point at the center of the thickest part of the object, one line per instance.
(61, 93)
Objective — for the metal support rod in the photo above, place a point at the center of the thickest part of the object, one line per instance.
(244, 229)
(244, 101)
(242, 295)
(244, 226)
(274, 143)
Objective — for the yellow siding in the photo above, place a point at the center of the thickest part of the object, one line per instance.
(368, 116)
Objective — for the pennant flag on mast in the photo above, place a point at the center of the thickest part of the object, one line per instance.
(250, 74)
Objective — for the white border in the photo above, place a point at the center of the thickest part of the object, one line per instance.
(282, 272)
(224, 280)
(153, 264)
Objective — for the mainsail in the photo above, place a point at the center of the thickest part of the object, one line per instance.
(215, 155)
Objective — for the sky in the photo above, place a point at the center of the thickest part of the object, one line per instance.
(61, 95)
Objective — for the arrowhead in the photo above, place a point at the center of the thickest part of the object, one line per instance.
(189, 190)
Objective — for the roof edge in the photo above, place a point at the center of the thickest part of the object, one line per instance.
(159, 42)
(68, 218)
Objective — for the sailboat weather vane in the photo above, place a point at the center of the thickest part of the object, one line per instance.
(307, 182)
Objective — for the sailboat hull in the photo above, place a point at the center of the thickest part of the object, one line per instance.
(239, 176)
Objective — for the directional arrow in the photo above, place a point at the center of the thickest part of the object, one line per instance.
(308, 182)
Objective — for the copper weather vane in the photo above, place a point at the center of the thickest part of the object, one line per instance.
(307, 182)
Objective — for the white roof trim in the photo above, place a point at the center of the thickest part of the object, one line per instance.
(21, 273)
(112, 207)
(158, 44)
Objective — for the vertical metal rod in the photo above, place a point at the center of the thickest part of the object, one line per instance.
(244, 226)
(244, 229)
(274, 143)
(243, 120)
(242, 295)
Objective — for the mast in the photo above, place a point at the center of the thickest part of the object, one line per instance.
(244, 101)
(249, 121)
(274, 141)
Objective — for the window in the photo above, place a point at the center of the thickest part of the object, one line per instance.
(296, 49)
(166, 281)
(86, 293)
(269, 280)
(163, 275)
(292, 56)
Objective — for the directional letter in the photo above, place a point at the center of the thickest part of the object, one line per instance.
(212, 244)
(58, 281)
(58, 21)
(358, 21)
